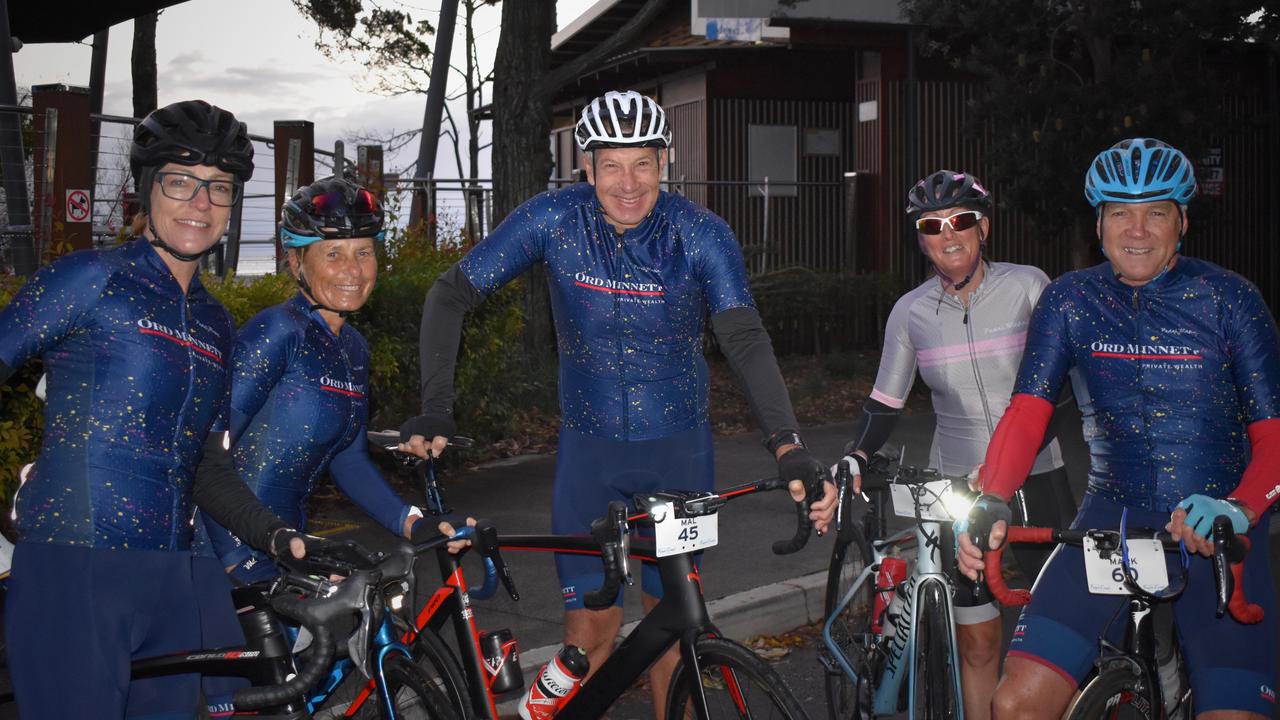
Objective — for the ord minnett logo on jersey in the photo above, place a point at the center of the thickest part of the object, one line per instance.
(626, 291)
(186, 339)
(1150, 355)
(341, 387)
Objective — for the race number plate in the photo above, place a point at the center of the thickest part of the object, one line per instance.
(934, 497)
(675, 535)
(1106, 576)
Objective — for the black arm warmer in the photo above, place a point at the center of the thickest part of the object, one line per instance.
(745, 343)
(1066, 399)
(5, 372)
(450, 298)
(873, 428)
(219, 491)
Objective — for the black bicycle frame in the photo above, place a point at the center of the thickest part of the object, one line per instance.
(680, 617)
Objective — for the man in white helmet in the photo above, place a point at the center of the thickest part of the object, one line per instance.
(633, 271)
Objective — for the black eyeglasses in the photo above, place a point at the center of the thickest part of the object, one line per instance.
(181, 186)
(959, 222)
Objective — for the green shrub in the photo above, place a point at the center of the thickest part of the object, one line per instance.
(812, 313)
(245, 298)
(492, 383)
(20, 417)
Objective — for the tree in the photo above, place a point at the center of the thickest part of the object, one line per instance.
(391, 43)
(1063, 79)
(144, 64)
(522, 92)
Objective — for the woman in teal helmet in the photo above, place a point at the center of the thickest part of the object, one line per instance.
(300, 389)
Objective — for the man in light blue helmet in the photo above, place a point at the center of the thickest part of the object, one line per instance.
(1175, 362)
(633, 272)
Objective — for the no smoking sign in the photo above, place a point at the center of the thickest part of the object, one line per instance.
(78, 206)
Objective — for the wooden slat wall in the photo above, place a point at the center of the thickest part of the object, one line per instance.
(806, 230)
(689, 129)
(1232, 231)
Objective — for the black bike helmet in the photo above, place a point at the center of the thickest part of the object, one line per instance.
(330, 209)
(947, 189)
(191, 132)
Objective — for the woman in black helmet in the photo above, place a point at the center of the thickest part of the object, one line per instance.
(135, 351)
(963, 330)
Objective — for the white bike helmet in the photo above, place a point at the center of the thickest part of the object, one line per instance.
(622, 119)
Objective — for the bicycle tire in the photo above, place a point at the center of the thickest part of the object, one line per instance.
(414, 694)
(851, 630)
(435, 659)
(736, 683)
(1116, 692)
(933, 672)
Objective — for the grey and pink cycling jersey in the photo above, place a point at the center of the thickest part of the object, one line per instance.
(968, 356)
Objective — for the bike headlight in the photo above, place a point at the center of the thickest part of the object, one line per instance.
(957, 504)
(395, 595)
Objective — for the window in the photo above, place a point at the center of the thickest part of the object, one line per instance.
(771, 153)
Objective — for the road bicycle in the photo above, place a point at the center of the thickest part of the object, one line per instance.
(906, 658)
(1130, 681)
(335, 582)
(715, 677)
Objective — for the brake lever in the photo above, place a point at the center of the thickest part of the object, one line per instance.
(619, 513)
(844, 478)
(487, 542)
(359, 649)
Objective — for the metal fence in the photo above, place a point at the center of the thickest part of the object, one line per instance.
(776, 229)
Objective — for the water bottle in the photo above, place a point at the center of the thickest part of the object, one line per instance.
(556, 683)
(893, 571)
(501, 661)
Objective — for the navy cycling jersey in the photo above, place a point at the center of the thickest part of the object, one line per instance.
(299, 405)
(629, 308)
(136, 380)
(1167, 376)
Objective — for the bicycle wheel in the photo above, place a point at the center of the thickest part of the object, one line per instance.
(435, 666)
(736, 683)
(851, 630)
(434, 658)
(414, 695)
(933, 670)
(1116, 692)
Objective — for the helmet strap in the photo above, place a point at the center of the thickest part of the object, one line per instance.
(309, 295)
(156, 241)
(973, 270)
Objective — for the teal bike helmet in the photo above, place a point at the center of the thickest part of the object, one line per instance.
(1138, 170)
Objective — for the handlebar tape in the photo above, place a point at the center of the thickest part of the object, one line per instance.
(992, 572)
(803, 527)
(294, 688)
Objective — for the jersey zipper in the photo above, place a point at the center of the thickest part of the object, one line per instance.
(337, 447)
(183, 308)
(977, 370)
(1146, 411)
(622, 346)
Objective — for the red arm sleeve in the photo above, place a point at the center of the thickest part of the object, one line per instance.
(1013, 448)
(1260, 485)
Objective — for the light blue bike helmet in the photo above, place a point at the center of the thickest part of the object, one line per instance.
(1139, 170)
